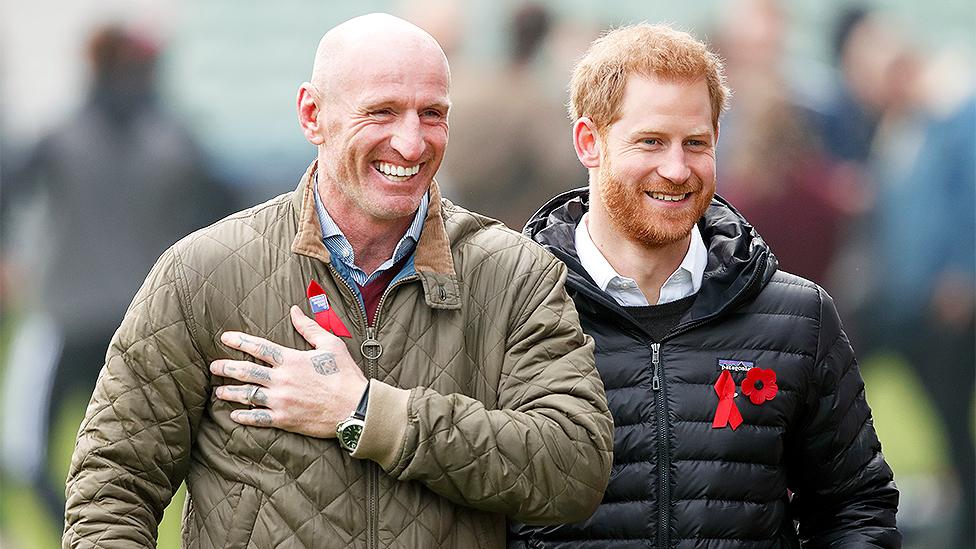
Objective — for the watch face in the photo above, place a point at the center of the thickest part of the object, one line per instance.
(349, 435)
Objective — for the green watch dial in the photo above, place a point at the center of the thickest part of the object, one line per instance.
(349, 432)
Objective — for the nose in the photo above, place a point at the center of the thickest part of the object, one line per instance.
(408, 138)
(674, 166)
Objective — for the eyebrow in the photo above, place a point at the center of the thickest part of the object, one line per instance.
(698, 133)
(708, 134)
(384, 102)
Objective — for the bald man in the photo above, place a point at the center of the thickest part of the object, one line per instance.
(358, 363)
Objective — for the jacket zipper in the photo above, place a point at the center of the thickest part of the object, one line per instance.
(372, 475)
(658, 386)
(664, 453)
(371, 350)
(373, 468)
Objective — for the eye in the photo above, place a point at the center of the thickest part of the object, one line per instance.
(697, 144)
(432, 114)
(382, 113)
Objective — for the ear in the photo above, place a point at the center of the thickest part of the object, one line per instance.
(586, 139)
(308, 114)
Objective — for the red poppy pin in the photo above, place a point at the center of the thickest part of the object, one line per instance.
(760, 385)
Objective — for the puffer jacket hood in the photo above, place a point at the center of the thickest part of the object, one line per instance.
(737, 269)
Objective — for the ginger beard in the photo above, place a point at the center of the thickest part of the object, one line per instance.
(629, 209)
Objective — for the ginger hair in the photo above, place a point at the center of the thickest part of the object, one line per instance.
(597, 86)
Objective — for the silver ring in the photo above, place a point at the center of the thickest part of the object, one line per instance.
(250, 396)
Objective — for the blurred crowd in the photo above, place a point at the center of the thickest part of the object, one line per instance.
(868, 189)
(872, 194)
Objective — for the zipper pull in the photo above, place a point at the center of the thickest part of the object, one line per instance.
(371, 347)
(656, 361)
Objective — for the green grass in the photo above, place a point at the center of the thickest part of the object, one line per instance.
(912, 440)
(24, 523)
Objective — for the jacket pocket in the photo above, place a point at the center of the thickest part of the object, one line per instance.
(245, 514)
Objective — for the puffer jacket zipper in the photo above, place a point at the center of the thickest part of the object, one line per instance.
(663, 449)
(659, 387)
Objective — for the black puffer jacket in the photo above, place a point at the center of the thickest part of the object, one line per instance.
(679, 482)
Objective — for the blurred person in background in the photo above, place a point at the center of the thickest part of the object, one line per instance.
(463, 393)
(921, 235)
(925, 296)
(850, 118)
(772, 165)
(122, 180)
(506, 163)
(740, 417)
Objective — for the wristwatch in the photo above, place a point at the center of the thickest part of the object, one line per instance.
(350, 429)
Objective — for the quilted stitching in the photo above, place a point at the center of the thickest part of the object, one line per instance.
(515, 344)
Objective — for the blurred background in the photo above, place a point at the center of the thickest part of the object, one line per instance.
(850, 146)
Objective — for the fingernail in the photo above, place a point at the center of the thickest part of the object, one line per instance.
(214, 366)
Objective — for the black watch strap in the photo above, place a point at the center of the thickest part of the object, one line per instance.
(360, 412)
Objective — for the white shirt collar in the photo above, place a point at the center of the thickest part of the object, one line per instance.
(685, 281)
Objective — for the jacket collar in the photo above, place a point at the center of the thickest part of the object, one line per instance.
(739, 262)
(433, 260)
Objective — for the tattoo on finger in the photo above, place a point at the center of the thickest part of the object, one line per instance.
(260, 373)
(272, 352)
(325, 364)
(261, 418)
(265, 350)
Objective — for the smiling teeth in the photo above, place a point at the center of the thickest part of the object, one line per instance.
(668, 197)
(398, 172)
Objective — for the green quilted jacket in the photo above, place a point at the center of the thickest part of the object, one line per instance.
(484, 402)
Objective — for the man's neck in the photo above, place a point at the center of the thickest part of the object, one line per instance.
(373, 240)
(649, 266)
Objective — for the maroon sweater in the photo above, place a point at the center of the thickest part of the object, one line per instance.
(373, 290)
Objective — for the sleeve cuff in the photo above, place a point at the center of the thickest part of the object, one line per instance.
(386, 425)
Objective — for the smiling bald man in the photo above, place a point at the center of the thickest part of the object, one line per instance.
(358, 363)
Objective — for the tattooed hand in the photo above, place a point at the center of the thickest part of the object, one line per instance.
(305, 392)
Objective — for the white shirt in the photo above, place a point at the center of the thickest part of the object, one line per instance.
(685, 281)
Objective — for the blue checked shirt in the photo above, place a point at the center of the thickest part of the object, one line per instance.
(344, 257)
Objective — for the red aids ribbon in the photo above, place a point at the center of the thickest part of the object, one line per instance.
(324, 315)
(726, 413)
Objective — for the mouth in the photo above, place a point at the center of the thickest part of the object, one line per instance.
(664, 197)
(396, 173)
